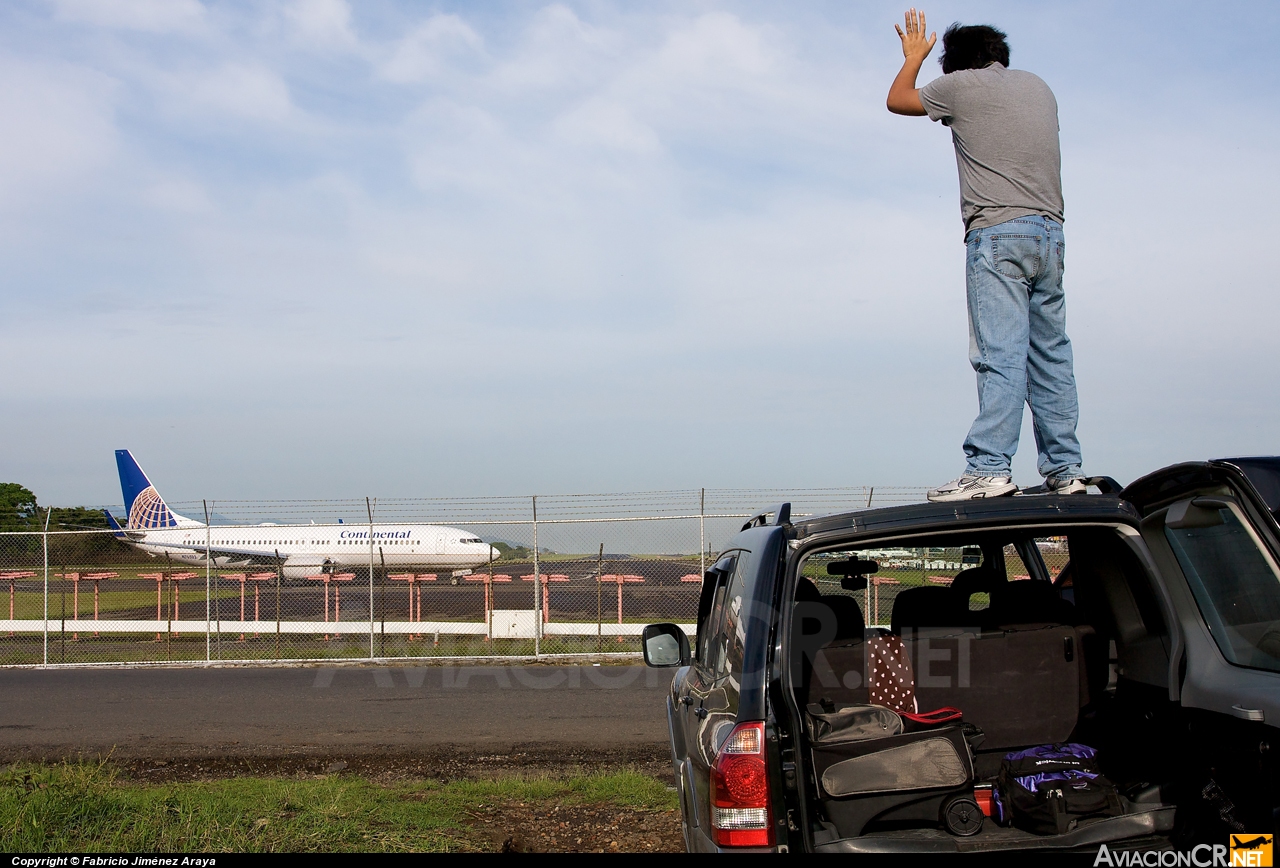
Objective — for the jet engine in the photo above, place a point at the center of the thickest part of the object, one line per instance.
(301, 566)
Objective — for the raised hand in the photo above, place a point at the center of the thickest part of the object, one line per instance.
(914, 44)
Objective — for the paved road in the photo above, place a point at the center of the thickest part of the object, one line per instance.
(290, 712)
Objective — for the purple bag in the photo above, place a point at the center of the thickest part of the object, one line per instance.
(1049, 789)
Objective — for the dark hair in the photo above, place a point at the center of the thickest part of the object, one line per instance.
(973, 47)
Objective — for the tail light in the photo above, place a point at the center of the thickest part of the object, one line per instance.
(740, 790)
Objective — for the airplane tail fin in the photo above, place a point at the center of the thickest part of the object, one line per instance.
(143, 504)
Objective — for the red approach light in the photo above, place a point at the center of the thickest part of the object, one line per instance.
(740, 815)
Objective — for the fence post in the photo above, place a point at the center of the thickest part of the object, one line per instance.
(600, 600)
(537, 591)
(208, 575)
(866, 605)
(369, 507)
(45, 536)
(279, 575)
(702, 531)
(382, 605)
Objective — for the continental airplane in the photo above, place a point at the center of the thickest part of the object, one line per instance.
(301, 550)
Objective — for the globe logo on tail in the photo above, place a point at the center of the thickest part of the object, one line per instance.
(149, 511)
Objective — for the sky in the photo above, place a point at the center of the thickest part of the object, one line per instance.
(326, 249)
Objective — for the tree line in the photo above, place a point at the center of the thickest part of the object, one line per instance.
(20, 511)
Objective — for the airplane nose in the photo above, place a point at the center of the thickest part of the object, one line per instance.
(494, 554)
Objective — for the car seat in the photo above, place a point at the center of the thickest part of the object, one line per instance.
(827, 636)
(850, 624)
(925, 607)
(1013, 668)
(1029, 601)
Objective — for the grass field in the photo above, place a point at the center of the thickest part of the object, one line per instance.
(28, 604)
(27, 649)
(84, 807)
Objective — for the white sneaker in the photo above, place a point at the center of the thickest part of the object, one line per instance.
(1074, 485)
(972, 488)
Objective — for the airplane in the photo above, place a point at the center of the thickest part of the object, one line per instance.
(1252, 844)
(300, 550)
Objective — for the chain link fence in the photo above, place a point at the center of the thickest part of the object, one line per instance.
(568, 574)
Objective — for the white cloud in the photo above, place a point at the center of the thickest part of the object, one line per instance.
(58, 127)
(431, 48)
(248, 90)
(557, 51)
(718, 49)
(180, 195)
(607, 124)
(322, 24)
(739, 86)
(154, 16)
(454, 145)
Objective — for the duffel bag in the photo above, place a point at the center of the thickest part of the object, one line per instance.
(1049, 789)
(833, 724)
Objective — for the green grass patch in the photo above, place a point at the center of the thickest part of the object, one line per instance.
(589, 557)
(85, 808)
(30, 604)
(27, 648)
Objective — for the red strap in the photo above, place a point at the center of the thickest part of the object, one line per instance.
(946, 714)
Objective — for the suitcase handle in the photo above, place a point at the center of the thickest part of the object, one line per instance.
(946, 714)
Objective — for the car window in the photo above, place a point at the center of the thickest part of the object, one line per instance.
(730, 632)
(711, 649)
(900, 568)
(1054, 553)
(1236, 587)
(711, 604)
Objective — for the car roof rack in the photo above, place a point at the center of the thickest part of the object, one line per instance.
(781, 515)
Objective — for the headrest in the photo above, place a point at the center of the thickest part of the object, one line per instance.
(925, 607)
(849, 620)
(807, 591)
(1029, 601)
(976, 580)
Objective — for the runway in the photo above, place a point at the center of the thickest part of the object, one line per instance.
(349, 711)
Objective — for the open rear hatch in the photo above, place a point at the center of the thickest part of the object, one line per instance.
(907, 723)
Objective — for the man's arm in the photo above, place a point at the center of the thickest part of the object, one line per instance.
(904, 96)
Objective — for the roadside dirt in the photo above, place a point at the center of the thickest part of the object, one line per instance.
(443, 765)
(525, 828)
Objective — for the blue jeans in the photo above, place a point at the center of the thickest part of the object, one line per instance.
(1018, 344)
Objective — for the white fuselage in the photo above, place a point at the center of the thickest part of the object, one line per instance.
(310, 548)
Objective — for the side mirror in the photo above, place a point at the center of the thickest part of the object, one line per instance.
(665, 646)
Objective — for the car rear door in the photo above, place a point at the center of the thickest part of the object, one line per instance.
(711, 693)
(691, 708)
(1213, 537)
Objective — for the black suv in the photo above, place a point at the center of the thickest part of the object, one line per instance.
(1143, 623)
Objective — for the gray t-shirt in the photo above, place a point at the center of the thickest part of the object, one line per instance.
(1004, 124)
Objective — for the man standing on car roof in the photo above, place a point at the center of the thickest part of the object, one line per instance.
(1004, 124)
